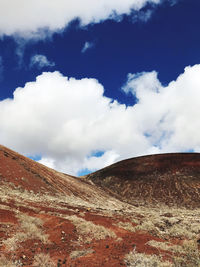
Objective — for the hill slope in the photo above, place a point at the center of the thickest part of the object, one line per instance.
(172, 179)
(50, 219)
(23, 175)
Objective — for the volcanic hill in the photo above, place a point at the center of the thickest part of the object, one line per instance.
(48, 218)
(172, 179)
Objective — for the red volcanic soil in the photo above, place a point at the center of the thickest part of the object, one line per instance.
(49, 218)
(172, 179)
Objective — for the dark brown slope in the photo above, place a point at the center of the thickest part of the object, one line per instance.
(173, 179)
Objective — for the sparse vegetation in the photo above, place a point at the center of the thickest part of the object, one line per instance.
(183, 223)
(185, 255)
(189, 256)
(90, 230)
(166, 246)
(126, 226)
(43, 260)
(177, 228)
(31, 228)
(79, 253)
(9, 191)
(134, 259)
(4, 262)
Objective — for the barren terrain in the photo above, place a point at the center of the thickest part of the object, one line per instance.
(139, 212)
(172, 179)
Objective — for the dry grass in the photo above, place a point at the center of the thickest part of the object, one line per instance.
(43, 260)
(134, 259)
(168, 223)
(182, 223)
(99, 200)
(186, 255)
(30, 228)
(4, 262)
(166, 246)
(89, 230)
(79, 253)
(189, 256)
(126, 226)
(160, 221)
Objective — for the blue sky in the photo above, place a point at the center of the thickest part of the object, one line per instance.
(85, 84)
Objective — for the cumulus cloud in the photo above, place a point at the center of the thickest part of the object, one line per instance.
(87, 45)
(40, 61)
(68, 121)
(169, 116)
(39, 18)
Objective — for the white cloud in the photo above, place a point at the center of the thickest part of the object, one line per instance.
(142, 15)
(169, 116)
(67, 121)
(40, 61)
(87, 45)
(39, 18)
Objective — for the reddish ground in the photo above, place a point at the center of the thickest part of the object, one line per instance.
(31, 191)
(63, 239)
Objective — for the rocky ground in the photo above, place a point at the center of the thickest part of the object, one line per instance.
(52, 219)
